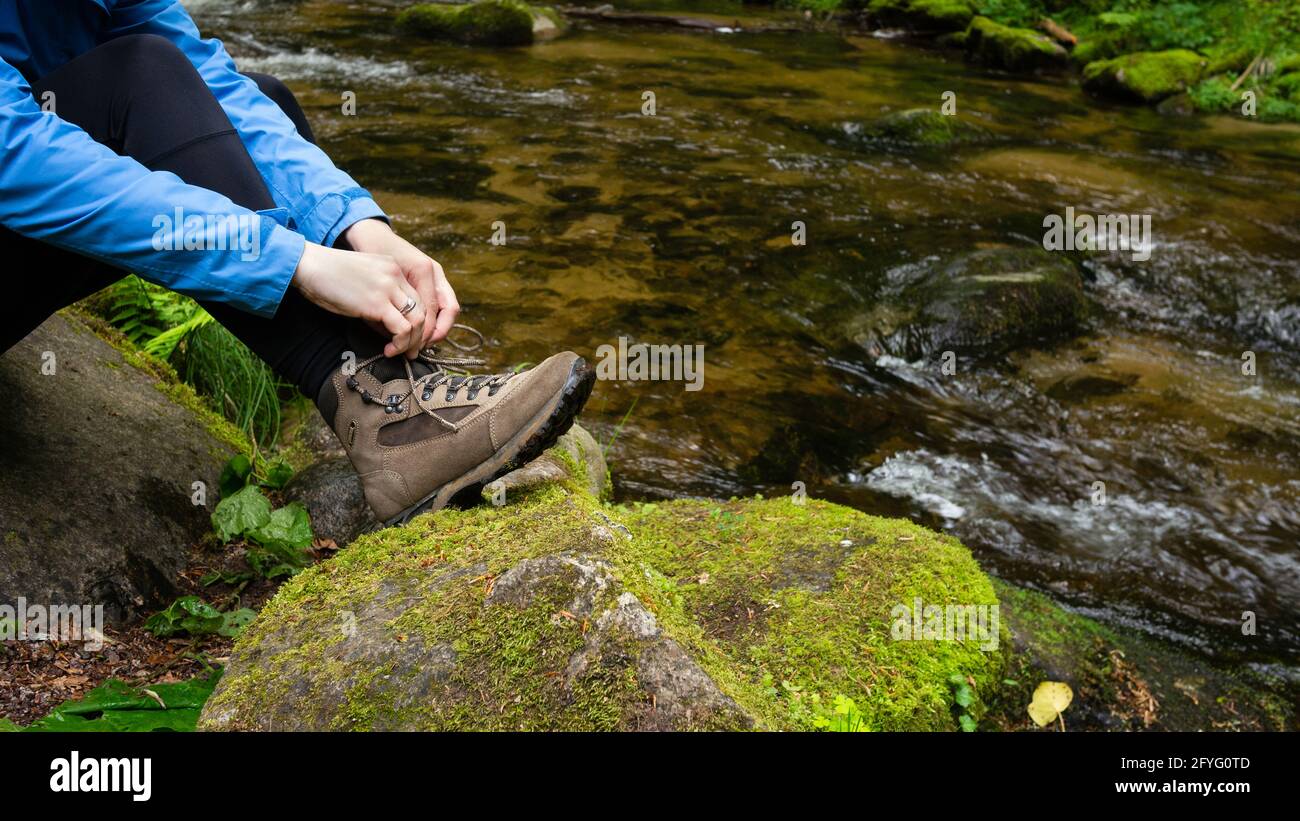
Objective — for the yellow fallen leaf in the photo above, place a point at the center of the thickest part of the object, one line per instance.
(1050, 700)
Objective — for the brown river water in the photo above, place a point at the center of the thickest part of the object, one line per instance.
(675, 229)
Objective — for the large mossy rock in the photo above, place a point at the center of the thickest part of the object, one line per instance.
(1147, 77)
(482, 23)
(101, 453)
(555, 612)
(922, 15)
(1014, 49)
(983, 303)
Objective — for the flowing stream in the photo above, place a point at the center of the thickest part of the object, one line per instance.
(675, 229)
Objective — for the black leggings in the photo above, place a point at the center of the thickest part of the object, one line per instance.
(140, 96)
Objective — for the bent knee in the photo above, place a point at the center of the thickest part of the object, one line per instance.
(148, 55)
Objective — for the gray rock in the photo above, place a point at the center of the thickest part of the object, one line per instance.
(331, 492)
(983, 303)
(580, 447)
(96, 475)
(318, 437)
(425, 683)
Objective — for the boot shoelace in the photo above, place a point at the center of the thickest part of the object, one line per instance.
(448, 371)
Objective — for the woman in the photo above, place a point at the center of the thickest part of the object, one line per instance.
(124, 134)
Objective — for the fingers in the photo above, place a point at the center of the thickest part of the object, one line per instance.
(413, 340)
(421, 276)
(396, 326)
(448, 306)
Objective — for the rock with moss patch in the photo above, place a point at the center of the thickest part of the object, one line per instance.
(1124, 680)
(108, 473)
(918, 127)
(482, 23)
(922, 15)
(983, 303)
(1014, 49)
(1146, 77)
(555, 612)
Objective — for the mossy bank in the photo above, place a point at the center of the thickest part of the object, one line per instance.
(1224, 56)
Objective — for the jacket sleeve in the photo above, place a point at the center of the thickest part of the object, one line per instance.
(60, 186)
(322, 200)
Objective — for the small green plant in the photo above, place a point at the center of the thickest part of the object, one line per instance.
(963, 697)
(192, 616)
(842, 716)
(241, 471)
(278, 538)
(218, 366)
(725, 519)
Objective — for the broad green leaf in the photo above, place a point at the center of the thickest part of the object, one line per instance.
(288, 528)
(234, 475)
(234, 622)
(116, 706)
(239, 514)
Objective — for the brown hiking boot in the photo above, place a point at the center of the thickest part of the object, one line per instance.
(426, 433)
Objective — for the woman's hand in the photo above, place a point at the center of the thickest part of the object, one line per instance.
(372, 287)
(425, 275)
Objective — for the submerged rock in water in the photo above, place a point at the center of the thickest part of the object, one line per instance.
(482, 23)
(922, 15)
(984, 303)
(98, 474)
(555, 612)
(918, 127)
(1126, 681)
(1013, 49)
(1148, 76)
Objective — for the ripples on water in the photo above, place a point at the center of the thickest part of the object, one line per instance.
(675, 229)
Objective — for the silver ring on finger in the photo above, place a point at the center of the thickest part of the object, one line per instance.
(410, 305)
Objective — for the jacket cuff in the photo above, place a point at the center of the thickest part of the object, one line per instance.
(336, 212)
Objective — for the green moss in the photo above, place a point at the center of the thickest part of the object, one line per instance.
(483, 23)
(169, 383)
(791, 604)
(784, 606)
(928, 15)
(1013, 49)
(1146, 76)
(922, 126)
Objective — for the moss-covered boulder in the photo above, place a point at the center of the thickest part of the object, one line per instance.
(983, 303)
(922, 15)
(1147, 77)
(108, 471)
(919, 127)
(482, 23)
(556, 612)
(1014, 49)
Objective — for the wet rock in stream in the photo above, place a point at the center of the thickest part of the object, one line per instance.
(984, 303)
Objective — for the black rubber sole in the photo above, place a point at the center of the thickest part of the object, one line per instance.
(532, 440)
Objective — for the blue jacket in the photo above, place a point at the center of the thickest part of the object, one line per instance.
(60, 186)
